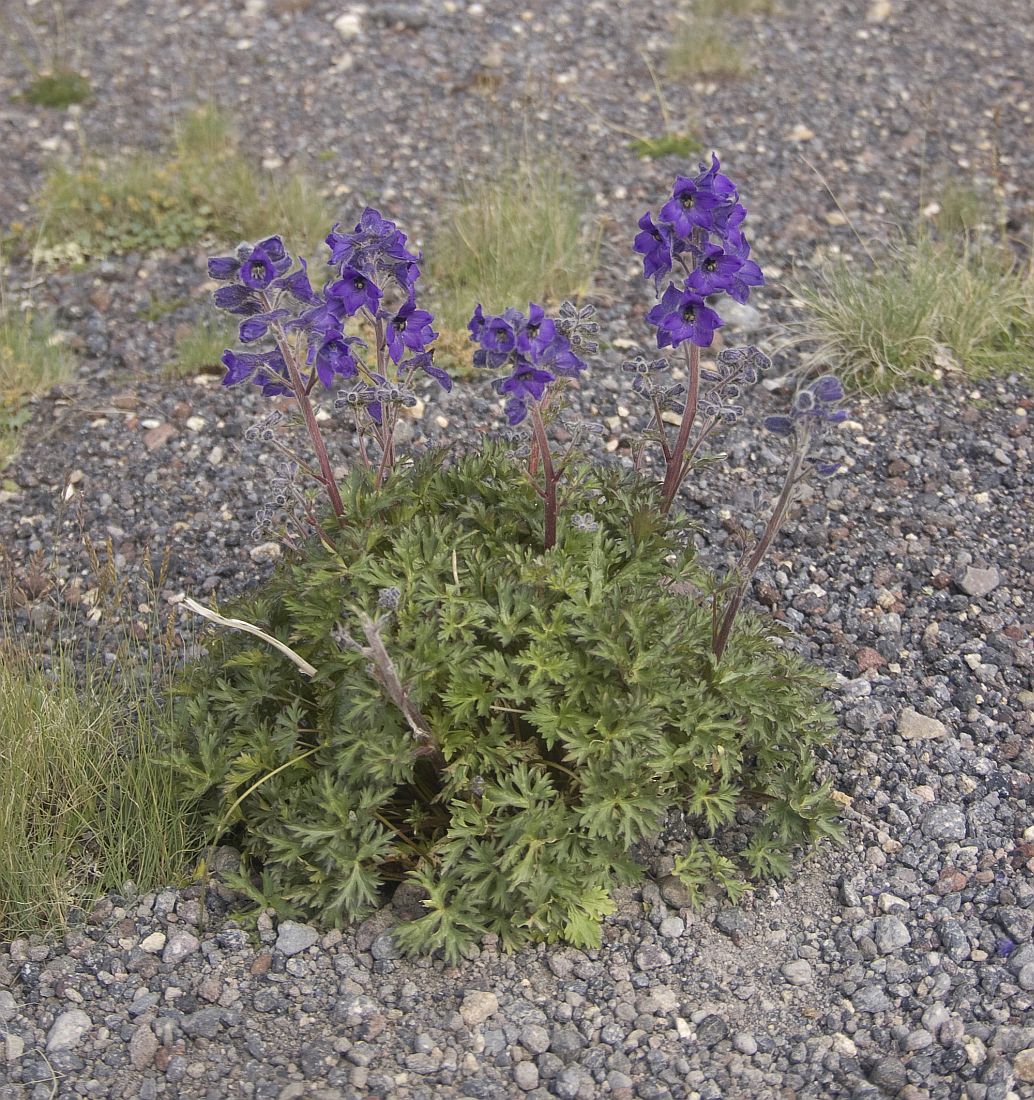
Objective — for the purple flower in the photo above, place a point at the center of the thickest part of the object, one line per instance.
(424, 361)
(716, 271)
(355, 291)
(654, 244)
(237, 299)
(497, 335)
(239, 367)
(254, 328)
(296, 284)
(258, 270)
(375, 243)
(335, 358)
(683, 315)
(526, 383)
(690, 207)
(409, 328)
(223, 267)
(711, 179)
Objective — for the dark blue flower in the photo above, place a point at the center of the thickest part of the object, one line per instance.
(223, 267)
(716, 271)
(690, 207)
(654, 244)
(355, 291)
(408, 327)
(237, 299)
(335, 358)
(424, 361)
(258, 270)
(254, 328)
(297, 284)
(683, 315)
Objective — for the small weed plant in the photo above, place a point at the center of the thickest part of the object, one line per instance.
(488, 673)
(58, 89)
(208, 187)
(200, 349)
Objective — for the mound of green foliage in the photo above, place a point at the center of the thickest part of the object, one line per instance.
(497, 725)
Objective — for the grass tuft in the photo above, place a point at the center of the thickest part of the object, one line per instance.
(32, 359)
(526, 236)
(199, 350)
(207, 188)
(87, 800)
(929, 307)
(667, 145)
(704, 46)
(58, 89)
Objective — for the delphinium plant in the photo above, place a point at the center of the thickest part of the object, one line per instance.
(472, 678)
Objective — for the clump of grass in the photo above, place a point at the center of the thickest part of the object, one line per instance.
(926, 307)
(199, 350)
(58, 89)
(667, 145)
(32, 359)
(206, 188)
(961, 209)
(87, 801)
(704, 46)
(524, 236)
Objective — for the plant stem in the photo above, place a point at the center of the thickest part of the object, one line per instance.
(675, 471)
(302, 397)
(748, 564)
(549, 476)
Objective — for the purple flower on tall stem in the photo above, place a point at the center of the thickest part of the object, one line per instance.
(716, 271)
(258, 271)
(335, 358)
(691, 206)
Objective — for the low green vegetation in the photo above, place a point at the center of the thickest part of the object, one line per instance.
(206, 187)
(667, 145)
(87, 801)
(494, 726)
(32, 359)
(58, 89)
(199, 350)
(926, 309)
(524, 236)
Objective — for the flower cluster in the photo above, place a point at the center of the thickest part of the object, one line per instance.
(532, 348)
(309, 325)
(813, 413)
(698, 228)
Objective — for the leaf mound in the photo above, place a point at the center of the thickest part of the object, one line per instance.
(571, 696)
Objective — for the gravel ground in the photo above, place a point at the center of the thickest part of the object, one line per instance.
(901, 965)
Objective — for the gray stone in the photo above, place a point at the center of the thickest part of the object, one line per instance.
(797, 972)
(652, 957)
(871, 998)
(1025, 978)
(891, 934)
(674, 892)
(206, 1023)
(980, 582)
(535, 1039)
(672, 928)
(1018, 923)
(384, 947)
(526, 1076)
(567, 1043)
(180, 945)
(1023, 1066)
(889, 1074)
(8, 1006)
(570, 1082)
(944, 823)
(143, 1046)
(711, 1030)
(913, 726)
(67, 1030)
(293, 938)
(742, 316)
(732, 922)
(745, 1043)
(477, 1006)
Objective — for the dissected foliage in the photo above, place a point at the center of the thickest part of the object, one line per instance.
(571, 700)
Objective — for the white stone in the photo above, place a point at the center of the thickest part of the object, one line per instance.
(153, 944)
(67, 1030)
(913, 726)
(348, 25)
(477, 1006)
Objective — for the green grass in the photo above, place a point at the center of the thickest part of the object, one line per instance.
(199, 350)
(667, 145)
(524, 236)
(58, 89)
(930, 308)
(206, 188)
(962, 209)
(87, 801)
(32, 359)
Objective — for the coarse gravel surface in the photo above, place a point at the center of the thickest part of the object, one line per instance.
(901, 965)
